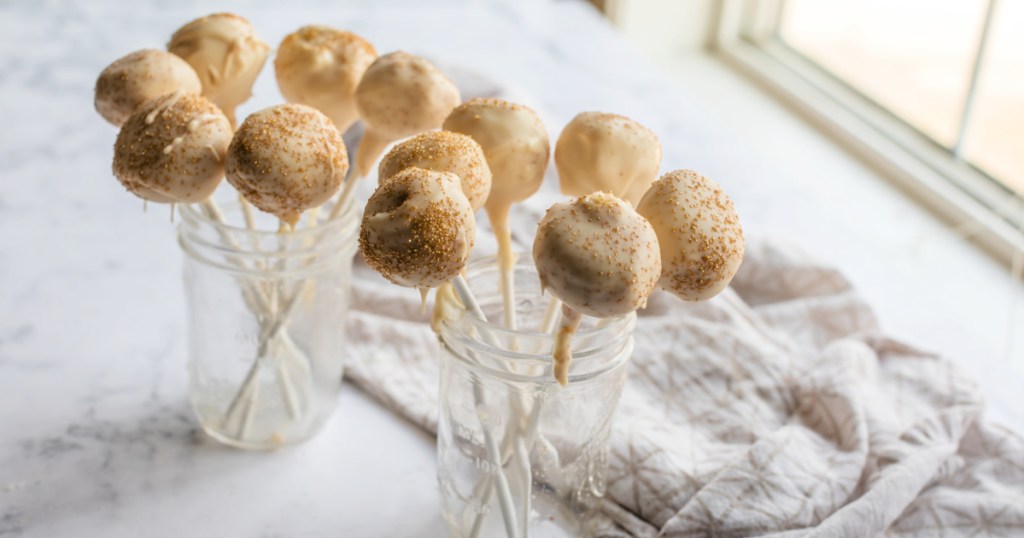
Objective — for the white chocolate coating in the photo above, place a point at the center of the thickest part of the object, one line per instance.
(515, 143)
(442, 151)
(226, 54)
(138, 77)
(321, 67)
(400, 95)
(418, 228)
(699, 232)
(286, 159)
(607, 152)
(598, 255)
(172, 149)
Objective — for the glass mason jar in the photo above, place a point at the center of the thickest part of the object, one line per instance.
(266, 321)
(513, 444)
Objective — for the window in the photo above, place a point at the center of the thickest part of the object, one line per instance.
(930, 90)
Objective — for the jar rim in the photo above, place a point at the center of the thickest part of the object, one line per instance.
(618, 343)
(192, 212)
(213, 243)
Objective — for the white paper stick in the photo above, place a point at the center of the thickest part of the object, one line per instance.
(491, 445)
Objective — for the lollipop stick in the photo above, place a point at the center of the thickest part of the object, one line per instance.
(246, 391)
(562, 353)
(245, 397)
(551, 314)
(346, 193)
(491, 445)
(250, 223)
(506, 262)
(283, 379)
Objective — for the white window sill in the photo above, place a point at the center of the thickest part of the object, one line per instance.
(928, 285)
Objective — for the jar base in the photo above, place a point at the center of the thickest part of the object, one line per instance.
(271, 428)
(549, 518)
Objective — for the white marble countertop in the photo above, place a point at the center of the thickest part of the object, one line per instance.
(98, 438)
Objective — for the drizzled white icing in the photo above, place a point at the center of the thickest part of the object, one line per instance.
(226, 54)
(172, 149)
(162, 106)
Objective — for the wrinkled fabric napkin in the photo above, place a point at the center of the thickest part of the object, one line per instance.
(777, 408)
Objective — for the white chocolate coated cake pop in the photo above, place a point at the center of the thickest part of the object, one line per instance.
(226, 54)
(418, 228)
(138, 77)
(442, 151)
(286, 159)
(597, 254)
(699, 232)
(600, 257)
(400, 95)
(517, 149)
(321, 67)
(597, 151)
(172, 149)
(515, 144)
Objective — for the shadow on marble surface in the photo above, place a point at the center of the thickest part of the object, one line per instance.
(103, 464)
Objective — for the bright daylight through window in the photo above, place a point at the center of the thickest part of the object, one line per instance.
(916, 58)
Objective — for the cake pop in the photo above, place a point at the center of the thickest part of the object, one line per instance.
(418, 228)
(138, 77)
(607, 152)
(600, 257)
(286, 159)
(320, 66)
(699, 233)
(400, 95)
(442, 151)
(172, 148)
(226, 54)
(516, 146)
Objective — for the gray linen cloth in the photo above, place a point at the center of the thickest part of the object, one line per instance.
(776, 407)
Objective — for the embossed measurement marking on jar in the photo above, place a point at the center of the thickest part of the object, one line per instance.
(249, 338)
(468, 435)
(484, 466)
(477, 507)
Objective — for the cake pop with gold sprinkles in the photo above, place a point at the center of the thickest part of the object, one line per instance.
(418, 228)
(226, 53)
(442, 151)
(600, 258)
(138, 77)
(597, 151)
(400, 95)
(172, 149)
(286, 159)
(321, 67)
(699, 232)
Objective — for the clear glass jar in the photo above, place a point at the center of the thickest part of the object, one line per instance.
(505, 420)
(266, 321)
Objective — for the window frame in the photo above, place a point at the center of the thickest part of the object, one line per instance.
(979, 207)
